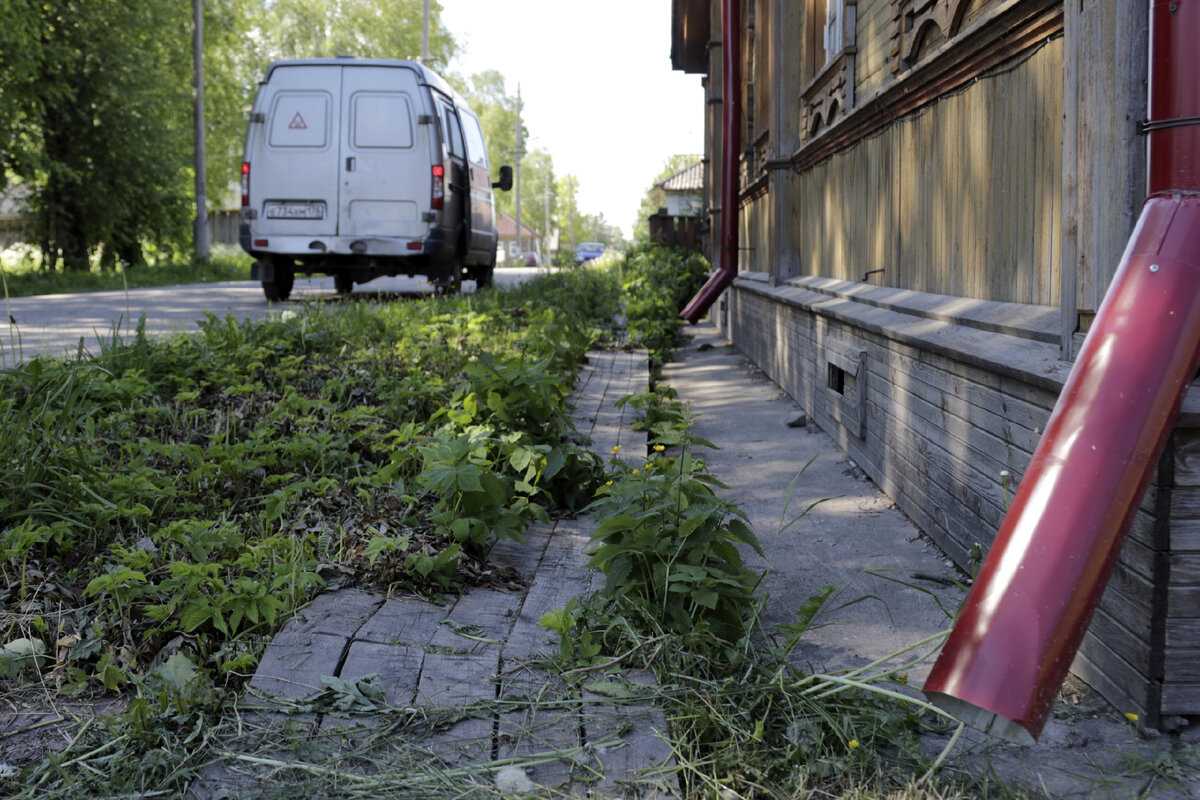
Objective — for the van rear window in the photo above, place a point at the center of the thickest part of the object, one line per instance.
(382, 119)
(300, 119)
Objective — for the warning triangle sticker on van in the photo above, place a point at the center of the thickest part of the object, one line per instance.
(297, 123)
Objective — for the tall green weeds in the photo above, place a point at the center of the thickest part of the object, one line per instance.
(657, 283)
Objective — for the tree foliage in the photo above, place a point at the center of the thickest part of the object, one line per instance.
(96, 115)
(20, 65)
(102, 112)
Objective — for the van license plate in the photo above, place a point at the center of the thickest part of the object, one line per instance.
(295, 211)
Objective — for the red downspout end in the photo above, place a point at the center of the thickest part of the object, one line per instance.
(731, 146)
(1026, 615)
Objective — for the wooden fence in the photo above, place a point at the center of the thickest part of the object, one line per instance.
(681, 232)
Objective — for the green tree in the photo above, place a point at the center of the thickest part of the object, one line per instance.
(571, 227)
(654, 196)
(497, 111)
(113, 105)
(20, 68)
(364, 28)
(234, 62)
(536, 167)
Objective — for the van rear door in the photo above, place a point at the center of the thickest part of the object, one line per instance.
(385, 164)
(296, 159)
(482, 213)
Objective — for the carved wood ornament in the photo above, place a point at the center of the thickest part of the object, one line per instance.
(912, 20)
(825, 99)
(831, 93)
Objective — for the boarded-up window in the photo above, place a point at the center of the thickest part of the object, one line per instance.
(300, 119)
(382, 119)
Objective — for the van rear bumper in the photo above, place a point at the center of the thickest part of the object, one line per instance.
(305, 246)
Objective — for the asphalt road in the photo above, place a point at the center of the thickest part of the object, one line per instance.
(55, 325)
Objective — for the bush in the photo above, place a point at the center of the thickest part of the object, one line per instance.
(657, 284)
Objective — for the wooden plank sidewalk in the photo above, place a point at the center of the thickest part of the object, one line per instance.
(471, 665)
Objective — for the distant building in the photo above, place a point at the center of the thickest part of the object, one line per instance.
(683, 193)
(14, 215)
(680, 201)
(507, 252)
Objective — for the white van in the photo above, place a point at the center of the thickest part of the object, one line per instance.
(358, 168)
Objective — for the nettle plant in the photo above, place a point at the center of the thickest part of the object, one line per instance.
(667, 545)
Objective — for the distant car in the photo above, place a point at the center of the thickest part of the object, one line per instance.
(586, 251)
(530, 259)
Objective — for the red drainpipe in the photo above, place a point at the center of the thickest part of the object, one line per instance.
(731, 146)
(1022, 623)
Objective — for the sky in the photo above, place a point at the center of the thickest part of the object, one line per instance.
(597, 88)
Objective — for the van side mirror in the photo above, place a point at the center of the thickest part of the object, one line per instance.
(505, 182)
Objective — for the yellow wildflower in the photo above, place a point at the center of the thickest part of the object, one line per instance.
(615, 450)
(635, 472)
(658, 448)
(608, 483)
(853, 743)
(1132, 717)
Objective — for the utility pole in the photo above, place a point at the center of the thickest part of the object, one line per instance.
(425, 34)
(200, 244)
(520, 153)
(572, 185)
(546, 235)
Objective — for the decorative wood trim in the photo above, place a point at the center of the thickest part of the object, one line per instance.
(990, 42)
(754, 191)
(829, 96)
(912, 18)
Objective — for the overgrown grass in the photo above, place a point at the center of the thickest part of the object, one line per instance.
(173, 502)
(24, 277)
(746, 721)
(165, 507)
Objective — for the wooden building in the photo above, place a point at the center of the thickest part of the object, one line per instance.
(934, 197)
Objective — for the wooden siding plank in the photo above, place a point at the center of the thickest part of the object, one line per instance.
(1102, 669)
(1180, 698)
(1185, 569)
(976, 201)
(1184, 633)
(1182, 666)
(1185, 533)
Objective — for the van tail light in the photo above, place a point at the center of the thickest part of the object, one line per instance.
(439, 186)
(245, 184)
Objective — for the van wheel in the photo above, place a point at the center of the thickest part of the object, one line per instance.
(483, 276)
(280, 288)
(344, 284)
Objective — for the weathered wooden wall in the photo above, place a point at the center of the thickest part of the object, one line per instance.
(947, 411)
(962, 198)
(754, 236)
(1179, 556)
